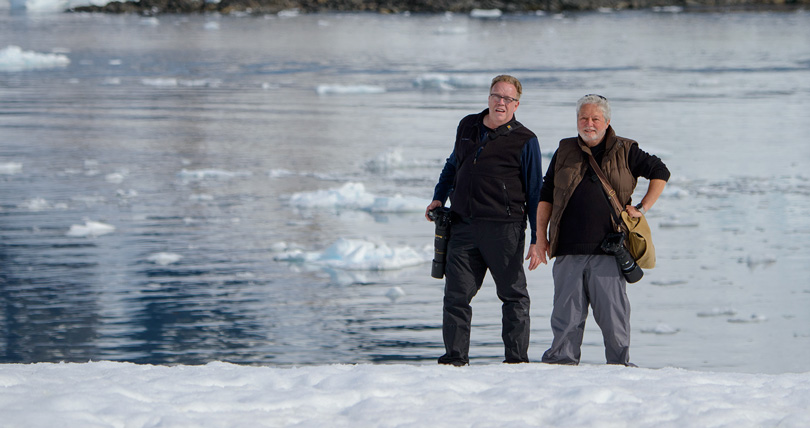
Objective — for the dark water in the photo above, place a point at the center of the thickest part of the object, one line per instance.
(190, 137)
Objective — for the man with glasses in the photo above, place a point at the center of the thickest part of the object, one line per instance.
(575, 210)
(493, 179)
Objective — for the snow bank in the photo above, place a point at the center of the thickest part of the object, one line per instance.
(527, 395)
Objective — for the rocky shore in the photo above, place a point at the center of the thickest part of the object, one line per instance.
(156, 7)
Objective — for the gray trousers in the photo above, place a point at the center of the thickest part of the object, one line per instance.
(580, 280)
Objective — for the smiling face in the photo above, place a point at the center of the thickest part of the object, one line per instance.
(503, 101)
(591, 124)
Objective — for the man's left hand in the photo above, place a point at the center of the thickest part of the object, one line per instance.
(635, 213)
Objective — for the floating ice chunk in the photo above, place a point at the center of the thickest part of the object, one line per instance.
(661, 329)
(150, 21)
(450, 82)
(716, 312)
(350, 195)
(486, 13)
(35, 204)
(279, 173)
(349, 89)
(10, 168)
(394, 293)
(164, 259)
(358, 254)
(160, 81)
(434, 81)
(754, 318)
(215, 174)
(114, 178)
(13, 58)
(355, 196)
(211, 25)
(289, 13)
(279, 246)
(90, 229)
(200, 83)
(385, 161)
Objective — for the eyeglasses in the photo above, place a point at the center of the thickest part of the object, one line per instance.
(506, 100)
(596, 95)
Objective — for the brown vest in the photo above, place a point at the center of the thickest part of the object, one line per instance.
(571, 166)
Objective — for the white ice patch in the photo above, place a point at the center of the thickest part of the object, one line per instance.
(210, 174)
(358, 254)
(90, 229)
(35, 204)
(754, 318)
(13, 58)
(447, 82)
(10, 168)
(281, 173)
(486, 13)
(355, 196)
(661, 329)
(169, 82)
(349, 89)
(114, 178)
(164, 259)
(717, 312)
(394, 293)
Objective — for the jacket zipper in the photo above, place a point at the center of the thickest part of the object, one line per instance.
(506, 199)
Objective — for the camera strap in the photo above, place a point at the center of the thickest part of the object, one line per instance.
(610, 194)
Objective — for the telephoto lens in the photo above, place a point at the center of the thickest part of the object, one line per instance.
(441, 218)
(614, 244)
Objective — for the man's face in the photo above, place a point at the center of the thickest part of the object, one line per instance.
(591, 124)
(501, 105)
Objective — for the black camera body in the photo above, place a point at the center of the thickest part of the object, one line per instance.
(441, 218)
(614, 244)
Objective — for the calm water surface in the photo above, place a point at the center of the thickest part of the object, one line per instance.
(190, 134)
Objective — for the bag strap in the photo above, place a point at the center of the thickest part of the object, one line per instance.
(610, 194)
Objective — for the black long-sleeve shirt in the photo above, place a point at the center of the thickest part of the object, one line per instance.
(587, 218)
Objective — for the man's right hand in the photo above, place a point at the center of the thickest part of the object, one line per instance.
(433, 205)
(542, 247)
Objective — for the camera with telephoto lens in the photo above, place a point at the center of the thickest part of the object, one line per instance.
(614, 244)
(441, 218)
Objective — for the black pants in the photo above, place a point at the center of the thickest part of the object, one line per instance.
(474, 247)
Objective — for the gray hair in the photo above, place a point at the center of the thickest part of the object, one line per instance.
(599, 101)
